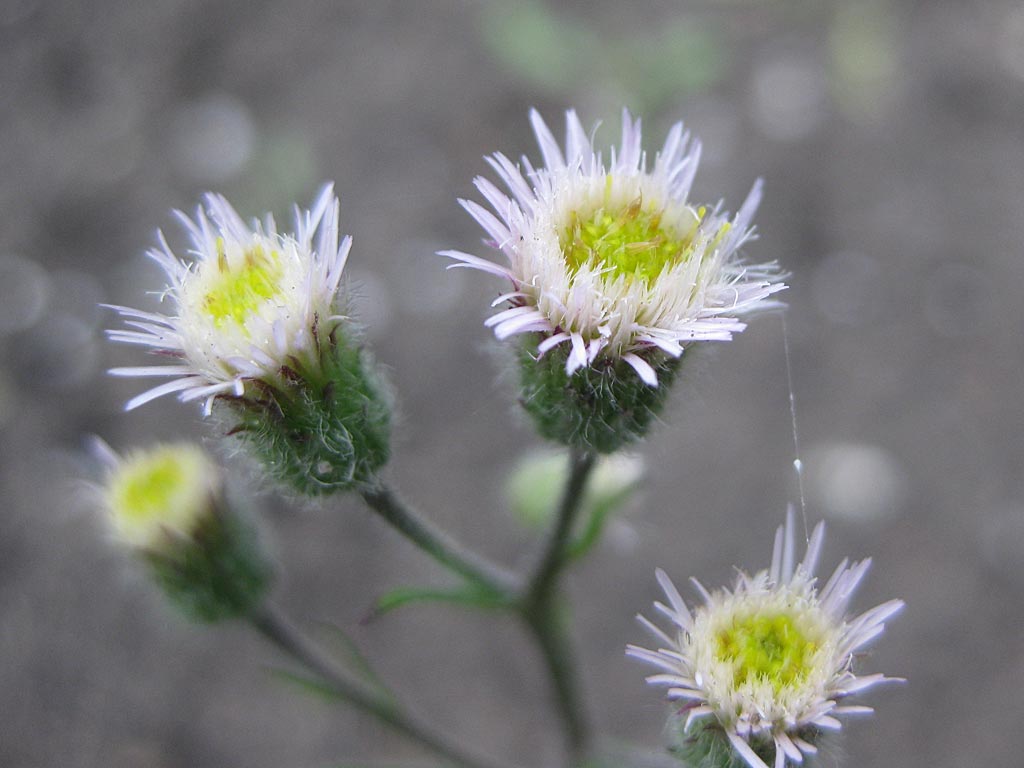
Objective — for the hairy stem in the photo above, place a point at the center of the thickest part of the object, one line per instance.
(555, 556)
(540, 608)
(279, 631)
(436, 543)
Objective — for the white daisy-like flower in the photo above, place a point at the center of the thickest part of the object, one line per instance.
(247, 302)
(770, 661)
(612, 259)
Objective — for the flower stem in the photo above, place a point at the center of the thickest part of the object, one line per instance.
(279, 631)
(443, 548)
(539, 607)
(538, 603)
(554, 558)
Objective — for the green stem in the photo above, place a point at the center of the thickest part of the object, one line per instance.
(540, 609)
(443, 548)
(554, 559)
(552, 639)
(279, 631)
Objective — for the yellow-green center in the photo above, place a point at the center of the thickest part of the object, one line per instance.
(765, 648)
(633, 241)
(241, 288)
(148, 487)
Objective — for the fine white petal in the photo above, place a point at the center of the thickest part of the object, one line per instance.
(789, 547)
(152, 370)
(696, 713)
(499, 200)
(861, 683)
(578, 356)
(203, 392)
(696, 295)
(668, 679)
(152, 317)
(678, 604)
(508, 297)
(498, 231)
(746, 212)
(513, 179)
(743, 750)
(782, 739)
(671, 346)
(577, 145)
(475, 262)
(651, 627)
(804, 746)
(828, 722)
(853, 709)
(775, 571)
(164, 389)
(830, 585)
(528, 322)
(705, 595)
(686, 694)
(218, 337)
(101, 450)
(810, 562)
(508, 314)
(551, 342)
(643, 369)
(548, 146)
(695, 666)
(649, 657)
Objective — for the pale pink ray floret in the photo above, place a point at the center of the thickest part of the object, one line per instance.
(211, 354)
(598, 313)
(754, 712)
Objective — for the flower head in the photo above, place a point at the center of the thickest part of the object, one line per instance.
(769, 662)
(160, 495)
(612, 259)
(166, 505)
(249, 301)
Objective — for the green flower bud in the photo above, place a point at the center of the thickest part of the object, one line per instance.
(324, 424)
(601, 407)
(612, 271)
(709, 747)
(535, 486)
(256, 328)
(166, 505)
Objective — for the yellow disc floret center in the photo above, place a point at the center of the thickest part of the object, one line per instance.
(635, 240)
(242, 285)
(162, 490)
(768, 648)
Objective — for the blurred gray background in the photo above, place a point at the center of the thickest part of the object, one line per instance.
(890, 137)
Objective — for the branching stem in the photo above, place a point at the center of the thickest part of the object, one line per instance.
(538, 602)
(439, 545)
(540, 608)
(279, 631)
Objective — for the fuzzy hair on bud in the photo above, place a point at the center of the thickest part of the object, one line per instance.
(324, 426)
(600, 408)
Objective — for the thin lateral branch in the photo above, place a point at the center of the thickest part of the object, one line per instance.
(539, 607)
(555, 556)
(280, 632)
(383, 500)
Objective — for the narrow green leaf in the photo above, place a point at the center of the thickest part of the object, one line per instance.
(309, 685)
(353, 658)
(471, 596)
(594, 526)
